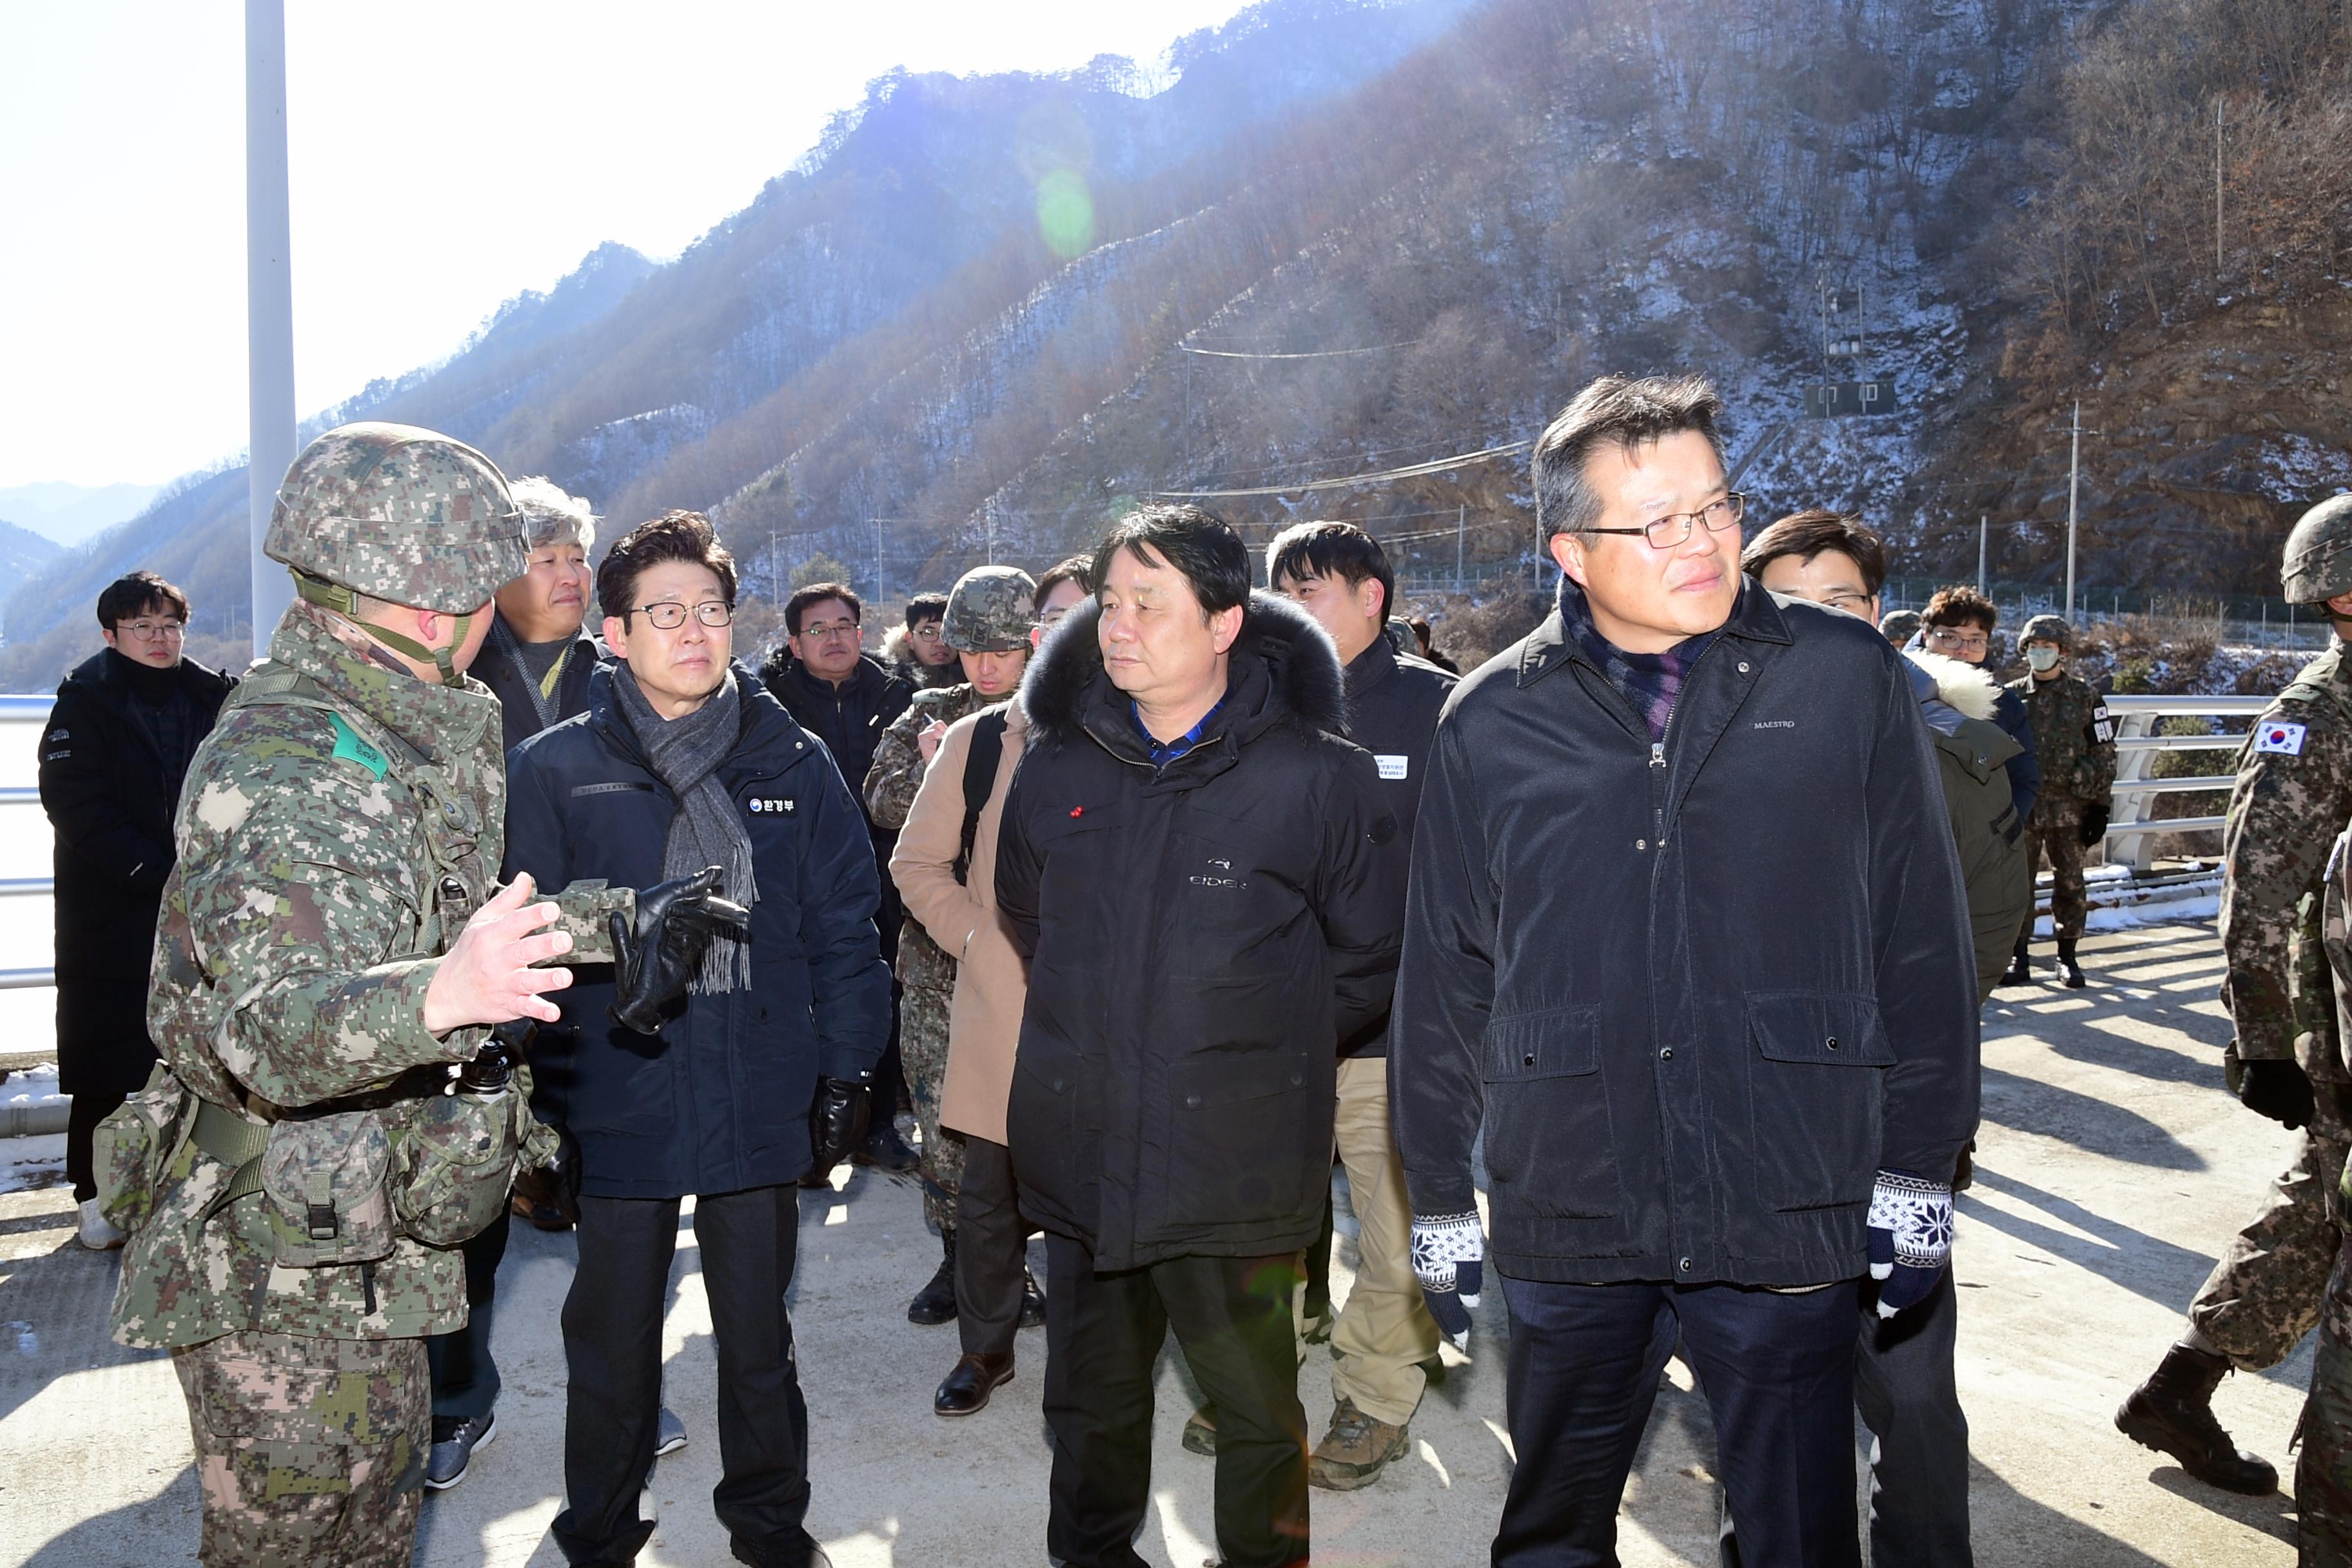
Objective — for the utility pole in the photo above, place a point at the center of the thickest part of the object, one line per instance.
(1984, 537)
(877, 561)
(775, 566)
(1460, 512)
(268, 304)
(2074, 491)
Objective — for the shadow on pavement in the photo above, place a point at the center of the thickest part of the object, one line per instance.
(1998, 1512)
(2159, 1272)
(2081, 1121)
(126, 1537)
(2272, 1515)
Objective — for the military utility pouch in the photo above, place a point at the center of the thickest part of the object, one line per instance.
(325, 1181)
(133, 1147)
(456, 1165)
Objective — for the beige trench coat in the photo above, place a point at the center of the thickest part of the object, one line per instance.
(991, 979)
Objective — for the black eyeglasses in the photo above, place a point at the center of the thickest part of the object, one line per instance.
(669, 614)
(1666, 532)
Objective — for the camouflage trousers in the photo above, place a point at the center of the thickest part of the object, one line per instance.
(2056, 832)
(2265, 1294)
(923, 1042)
(307, 1450)
(2322, 1471)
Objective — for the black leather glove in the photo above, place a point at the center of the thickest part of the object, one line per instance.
(656, 954)
(2277, 1089)
(837, 1120)
(2095, 823)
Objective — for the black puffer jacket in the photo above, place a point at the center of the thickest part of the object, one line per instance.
(111, 797)
(720, 1101)
(1201, 938)
(1697, 993)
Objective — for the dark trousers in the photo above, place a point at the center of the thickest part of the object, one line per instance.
(1316, 1302)
(1904, 1387)
(83, 1114)
(1103, 1335)
(612, 1347)
(464, 1377)
(1778, 1370)
(992, 1262)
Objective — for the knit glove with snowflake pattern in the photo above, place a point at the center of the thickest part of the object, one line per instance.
(1910, 1238)
(1449, 1255)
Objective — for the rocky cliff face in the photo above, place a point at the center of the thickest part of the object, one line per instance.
(1349, 240)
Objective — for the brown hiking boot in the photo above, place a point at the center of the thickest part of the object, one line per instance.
(2172, 1413)
(1355, 1451)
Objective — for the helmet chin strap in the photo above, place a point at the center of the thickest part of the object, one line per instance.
(343, 601)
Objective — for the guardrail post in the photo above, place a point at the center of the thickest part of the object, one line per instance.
(2129, 805)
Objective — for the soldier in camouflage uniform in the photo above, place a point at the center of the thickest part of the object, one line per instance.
(987, 623)
(2292, 796)
(326, 1126)
(2323, 1477)
(2074, 741)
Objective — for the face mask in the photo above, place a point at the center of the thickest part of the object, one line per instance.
(2041, 659)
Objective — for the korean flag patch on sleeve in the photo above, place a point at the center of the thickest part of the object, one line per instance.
(2285, 739)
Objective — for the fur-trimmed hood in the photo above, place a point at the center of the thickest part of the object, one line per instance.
(1284, 670)
(1955, 683)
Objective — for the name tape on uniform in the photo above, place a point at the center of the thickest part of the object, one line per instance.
(2286, 740)
(1390, 767)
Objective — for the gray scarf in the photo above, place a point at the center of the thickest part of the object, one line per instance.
(707, 830)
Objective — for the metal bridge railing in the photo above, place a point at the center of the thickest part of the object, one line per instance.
(22, 719)
(2139, 743)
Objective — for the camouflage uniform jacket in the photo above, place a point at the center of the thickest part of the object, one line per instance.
(317, 884)
(2074, 737)
(2292, 796)
(890, 786)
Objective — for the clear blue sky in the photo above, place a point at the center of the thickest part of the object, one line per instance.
(445, 154)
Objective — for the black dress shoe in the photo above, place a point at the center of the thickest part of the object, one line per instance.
(975, 1377)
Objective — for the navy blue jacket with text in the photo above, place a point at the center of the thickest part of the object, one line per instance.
(720, 1100)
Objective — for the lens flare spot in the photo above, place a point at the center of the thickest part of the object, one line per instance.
(1066, 214)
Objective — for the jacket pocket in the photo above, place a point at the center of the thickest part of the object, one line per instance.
(1815, 1086)
(1054, 1118)
(1550, 1147)
(1250, 1140)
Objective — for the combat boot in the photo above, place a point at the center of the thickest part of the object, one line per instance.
(2172, 1413)
(2069, 972)
(935, 1303)
(2019, 973)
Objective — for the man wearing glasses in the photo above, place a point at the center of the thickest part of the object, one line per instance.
(126, 723)
(736, 1090)
(847, 698)
(1699, 1116)
(1958, 624)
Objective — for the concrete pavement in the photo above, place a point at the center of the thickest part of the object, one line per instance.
(2111, 1172)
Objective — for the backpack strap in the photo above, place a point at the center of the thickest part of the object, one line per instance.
(979, 779)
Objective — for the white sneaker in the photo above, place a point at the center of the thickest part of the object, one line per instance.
(96, 1234)
(669, 1434)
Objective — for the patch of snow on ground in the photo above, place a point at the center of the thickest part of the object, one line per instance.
(26, 1164)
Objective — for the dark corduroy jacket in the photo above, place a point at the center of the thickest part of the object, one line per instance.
(1697, 993)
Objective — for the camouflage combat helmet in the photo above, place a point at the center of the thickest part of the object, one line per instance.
(398, 515)
(989, 610)
(2047, 628)
(2319, 553)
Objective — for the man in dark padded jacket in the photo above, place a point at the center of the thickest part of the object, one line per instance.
(1194, 862)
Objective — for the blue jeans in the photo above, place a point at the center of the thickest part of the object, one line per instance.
(1778, 1375)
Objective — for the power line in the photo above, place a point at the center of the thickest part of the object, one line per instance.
(1312, 354)
(1414, 470)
